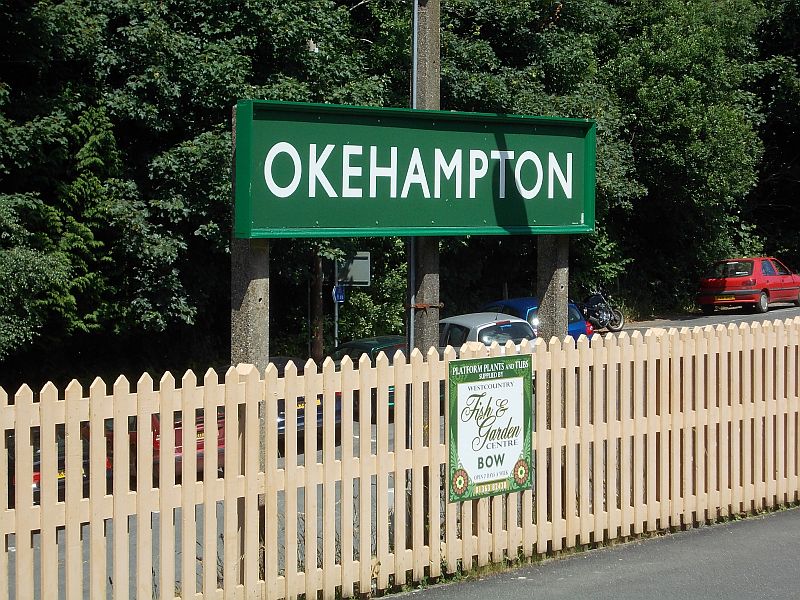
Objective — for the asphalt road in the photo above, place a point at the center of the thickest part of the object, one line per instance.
(749, 559)
(720, 317)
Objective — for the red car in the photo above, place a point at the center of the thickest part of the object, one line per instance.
(756, 282)
(218, 436)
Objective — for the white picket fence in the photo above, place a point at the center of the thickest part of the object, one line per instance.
(632, 434)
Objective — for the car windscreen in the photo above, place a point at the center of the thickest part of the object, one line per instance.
(515, 331)
(732, 268)
(573, 316)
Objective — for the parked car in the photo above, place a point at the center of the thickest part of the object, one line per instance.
(36, 478)
(528, 308)
(372, 347)
(178, 451)
(755, 282)
(486, 327)
(281, 362)
(204, 436)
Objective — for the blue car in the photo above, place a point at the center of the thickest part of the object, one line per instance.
(527, 308)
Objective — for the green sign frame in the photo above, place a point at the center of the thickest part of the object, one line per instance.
(490, 426)
(318, 170)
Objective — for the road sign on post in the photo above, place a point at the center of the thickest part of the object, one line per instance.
(355, 271)
(316, 170)
(338, 294)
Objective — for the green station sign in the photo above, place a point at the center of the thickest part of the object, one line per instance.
(316, 170)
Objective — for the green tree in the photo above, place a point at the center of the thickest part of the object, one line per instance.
(775, 79)
(115, 117)
(540, 58)
(680, 75)
(33, 276)
(115, 147)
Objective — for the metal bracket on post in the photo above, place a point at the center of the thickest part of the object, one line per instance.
(422, 306)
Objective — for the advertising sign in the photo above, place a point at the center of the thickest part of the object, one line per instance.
(490, 426)
(314, 170)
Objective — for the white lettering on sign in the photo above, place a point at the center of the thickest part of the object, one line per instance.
(554, 170)
(442, 167)
(476, 172)
(502, 156)
(375, 171)
(527, 168)
(415, 174)
(285, 148)
(531, 193)
(350, 171)
(315, 172)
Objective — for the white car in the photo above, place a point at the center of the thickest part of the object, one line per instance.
(485, 327)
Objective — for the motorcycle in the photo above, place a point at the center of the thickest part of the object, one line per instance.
(597, 309)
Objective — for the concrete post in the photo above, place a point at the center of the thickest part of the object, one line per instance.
(423, 268)
(426, 314)
(250, 302)
(249, 290)
(552, 285)
(428, 59)
(425, 281)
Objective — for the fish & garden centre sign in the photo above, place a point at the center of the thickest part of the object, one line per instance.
(490, 426)
(313, 170)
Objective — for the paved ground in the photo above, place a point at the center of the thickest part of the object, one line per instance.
(723, 316)
(754, 558)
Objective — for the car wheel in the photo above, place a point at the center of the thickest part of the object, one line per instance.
(707, 309)
(763, 303)
(797, 300)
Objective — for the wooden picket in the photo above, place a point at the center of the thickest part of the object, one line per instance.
(632, 434)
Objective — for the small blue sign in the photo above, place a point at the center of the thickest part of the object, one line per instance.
(338, 294)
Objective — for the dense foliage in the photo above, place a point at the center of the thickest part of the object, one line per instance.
(115, 148)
